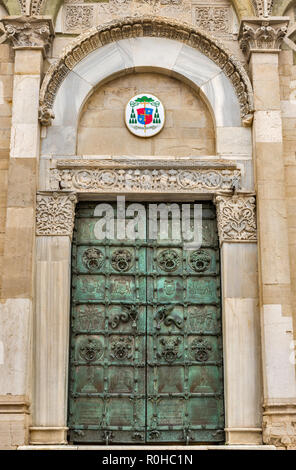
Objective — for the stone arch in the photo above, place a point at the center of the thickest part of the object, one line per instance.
(132, 28)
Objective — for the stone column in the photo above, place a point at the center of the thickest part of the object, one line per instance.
(260, 39)
(236, 217)
(55, 220)
(30, 38)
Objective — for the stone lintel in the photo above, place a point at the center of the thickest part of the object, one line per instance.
(264, 35)
(121, 176)
(29, 32)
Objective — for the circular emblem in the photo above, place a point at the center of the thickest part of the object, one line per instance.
(144, 115)
(168, 260)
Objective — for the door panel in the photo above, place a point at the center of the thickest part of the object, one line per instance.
(146, 347)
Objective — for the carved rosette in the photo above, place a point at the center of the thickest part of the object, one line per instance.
(29, 32)
(149, 26)
(262, 35)
(236, 217)
(279, 426)
(55, 214)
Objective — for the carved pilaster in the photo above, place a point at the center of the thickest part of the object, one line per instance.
(279, 425)
(262, 35)
(236, 217)
(55, 214)
(29, 32)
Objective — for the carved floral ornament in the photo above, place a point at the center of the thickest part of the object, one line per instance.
(236, 217)
(55, 214)
(150, 27)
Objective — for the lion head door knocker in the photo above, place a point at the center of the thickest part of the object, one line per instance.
(201, 348)
(90, 350)
(121, 348)
(170, 349)
(168, 260)
(200, 261)
(92, 259)
(122, 260)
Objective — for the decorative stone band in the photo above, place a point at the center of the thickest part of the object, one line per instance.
(263, 7)
(55, 214)
(262, 35)
(152, 27)
(132, 176)
(29, 32)
(279, 425)
(236, 218)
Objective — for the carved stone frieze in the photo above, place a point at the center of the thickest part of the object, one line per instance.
(158, 178)
(279, 426)
(55, 214)
(29, 32)
(151, 27)
(236, 218)
(262, 35)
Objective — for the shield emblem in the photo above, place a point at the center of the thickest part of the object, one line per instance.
(145, 116)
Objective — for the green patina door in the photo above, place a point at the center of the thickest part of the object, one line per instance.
(146, 345)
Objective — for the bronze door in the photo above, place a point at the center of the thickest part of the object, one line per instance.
(146, 346)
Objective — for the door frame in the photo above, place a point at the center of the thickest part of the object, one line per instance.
(239, 295)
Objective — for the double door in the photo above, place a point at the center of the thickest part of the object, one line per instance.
(145, 346)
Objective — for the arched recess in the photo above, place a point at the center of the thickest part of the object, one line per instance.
(132, 45)
(51, 7)
(280, 7)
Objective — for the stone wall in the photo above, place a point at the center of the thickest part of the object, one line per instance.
(188, 130)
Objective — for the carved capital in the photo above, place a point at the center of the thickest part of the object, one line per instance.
(279, 425)
(55, 214)
(262, 35)
(29, 32)
(236, 217)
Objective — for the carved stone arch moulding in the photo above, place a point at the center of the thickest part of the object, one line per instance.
(151, 27)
